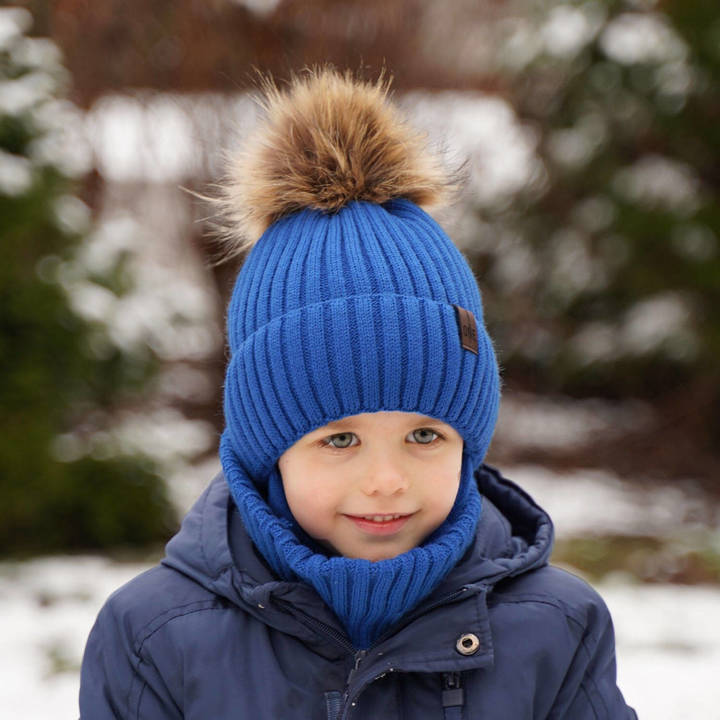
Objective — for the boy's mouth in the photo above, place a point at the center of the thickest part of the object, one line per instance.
(379, 524)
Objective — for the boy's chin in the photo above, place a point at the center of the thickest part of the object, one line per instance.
(372, 554)
(355, 553)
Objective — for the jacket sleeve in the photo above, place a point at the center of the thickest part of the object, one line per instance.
(589, 690)
(117, 683)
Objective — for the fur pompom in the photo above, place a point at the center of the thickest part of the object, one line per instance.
(325, 140)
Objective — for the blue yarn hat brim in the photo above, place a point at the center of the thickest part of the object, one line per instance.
(422, 369)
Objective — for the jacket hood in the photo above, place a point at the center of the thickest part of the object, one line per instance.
(514, 536)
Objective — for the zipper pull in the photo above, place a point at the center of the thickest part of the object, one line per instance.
(451, 680)
(453, 697)
(359, 655)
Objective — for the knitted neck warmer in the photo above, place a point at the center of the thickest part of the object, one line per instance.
(368, 597)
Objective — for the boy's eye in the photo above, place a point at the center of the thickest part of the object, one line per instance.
(340, 441)
(424, 436)
(343, 440)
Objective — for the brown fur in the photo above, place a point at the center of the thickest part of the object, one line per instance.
(326, 140)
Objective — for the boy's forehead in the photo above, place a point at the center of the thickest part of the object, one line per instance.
(367, 418)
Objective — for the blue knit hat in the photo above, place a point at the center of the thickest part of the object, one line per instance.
(352, 298)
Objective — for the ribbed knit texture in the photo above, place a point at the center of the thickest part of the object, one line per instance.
(368, 597)
(352, 312)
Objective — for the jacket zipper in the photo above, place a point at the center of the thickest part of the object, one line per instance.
(453, 696)
(359, 655)
(315, 624)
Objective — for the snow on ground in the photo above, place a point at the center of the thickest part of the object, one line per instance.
(668, 649)
(668, 638)
(48, 607)
(595, 501)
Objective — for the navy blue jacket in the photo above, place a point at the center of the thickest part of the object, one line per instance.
(210, 634)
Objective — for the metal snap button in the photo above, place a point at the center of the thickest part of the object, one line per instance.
(467, 644)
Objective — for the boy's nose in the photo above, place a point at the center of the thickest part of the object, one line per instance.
(384, 478)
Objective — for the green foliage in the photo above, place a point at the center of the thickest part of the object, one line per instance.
(622, 227)
(52, 378)
(86, 504)
(683, 560)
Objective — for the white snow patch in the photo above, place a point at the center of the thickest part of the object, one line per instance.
(259, 7)
(154, 137)
(31, 94)
(596, 502)
(516, 266)
(576, 145)
(664, 320)
(574, 269)
(22, 94)
(521, 43)
(114, 237)
(181, 381)
(529, 421)
(568, 29)
(15, 174)
(596, 341)
(63, 143)
(38, 52)
(674, 79)
(562, 32)
(633, 38)
(48, 606)
(484, 129)
(189, 481)
(92, 301)
(165, 435)
(164, 316)
(164, 309)
(659, 182)
(72, 215)
(668, 649)
(13, 22)
(163, 137)
(662, 323)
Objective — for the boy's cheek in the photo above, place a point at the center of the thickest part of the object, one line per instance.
(312, 510)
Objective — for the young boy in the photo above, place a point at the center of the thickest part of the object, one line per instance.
(355, 558)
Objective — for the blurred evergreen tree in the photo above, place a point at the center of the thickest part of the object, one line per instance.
(607, 281)
(59, 376)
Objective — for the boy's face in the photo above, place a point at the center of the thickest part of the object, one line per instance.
(346, 481)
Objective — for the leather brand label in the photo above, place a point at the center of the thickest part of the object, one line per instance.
(468, 329)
